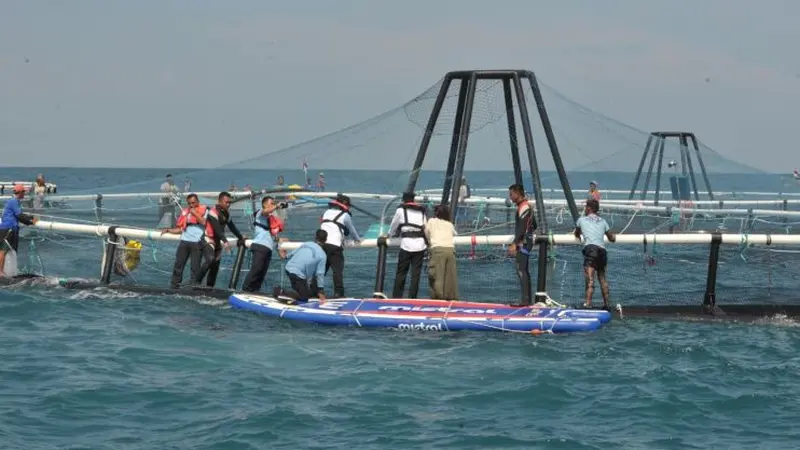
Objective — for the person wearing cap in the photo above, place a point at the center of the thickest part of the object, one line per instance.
(321, 182)
(166, 204)
(593, 192)
(9, 225)
(337, 222)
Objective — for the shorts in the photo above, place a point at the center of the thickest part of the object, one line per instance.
(9, 239)
(595, 256)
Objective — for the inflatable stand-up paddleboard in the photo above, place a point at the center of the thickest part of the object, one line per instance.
(423, 314)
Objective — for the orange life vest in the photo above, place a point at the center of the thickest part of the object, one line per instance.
(188, 219)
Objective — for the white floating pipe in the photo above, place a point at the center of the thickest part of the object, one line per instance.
(560, 239)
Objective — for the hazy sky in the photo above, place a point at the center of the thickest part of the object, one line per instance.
(204, 83)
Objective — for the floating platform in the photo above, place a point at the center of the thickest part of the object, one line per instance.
(426, 315)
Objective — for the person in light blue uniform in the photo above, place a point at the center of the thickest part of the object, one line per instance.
(266, 227)
(192, 226)
(595, 259)
(305, 264)
(9, 225)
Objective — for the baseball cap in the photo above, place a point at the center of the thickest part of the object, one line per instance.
(19, 188)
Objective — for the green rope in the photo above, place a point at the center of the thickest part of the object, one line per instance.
(552, 253)
(152, 244)
(479, 216)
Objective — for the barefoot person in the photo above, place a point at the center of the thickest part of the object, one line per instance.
(595, 259)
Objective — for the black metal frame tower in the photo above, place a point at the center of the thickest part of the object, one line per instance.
(656, 142)
(512, 85)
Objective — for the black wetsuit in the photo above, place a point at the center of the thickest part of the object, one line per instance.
(211, 261)
(524, 224)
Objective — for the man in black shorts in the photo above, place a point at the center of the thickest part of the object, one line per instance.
(595, 259)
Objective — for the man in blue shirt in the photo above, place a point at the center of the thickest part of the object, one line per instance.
(9, 225)
(191, 225)
(266, 228)
(305, 264)
(595, 259)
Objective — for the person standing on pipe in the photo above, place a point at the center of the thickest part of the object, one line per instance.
(338, 224)
(191, 225)
(220, 218)
(595, 259)
(524, 225)
(9, 227)
(409, 222)
(267, 227)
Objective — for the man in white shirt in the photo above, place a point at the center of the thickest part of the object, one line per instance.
(336, 221)
(409, 223)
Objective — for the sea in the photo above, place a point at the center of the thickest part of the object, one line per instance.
(109, 369)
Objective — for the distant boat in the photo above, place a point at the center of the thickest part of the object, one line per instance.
(796, 174)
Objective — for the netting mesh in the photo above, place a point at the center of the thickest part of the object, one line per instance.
(375, 157)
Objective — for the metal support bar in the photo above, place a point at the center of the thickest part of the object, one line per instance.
(710, 298)
(380, 270)
(236, 270)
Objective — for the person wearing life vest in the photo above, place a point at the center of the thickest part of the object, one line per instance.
(191, 225)
(593, 191)
(9, 225)
(219, 217)
(338, 223)
(267, 226)
(409, 223)
(524, 224)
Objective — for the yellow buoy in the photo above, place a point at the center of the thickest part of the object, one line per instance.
(133, 250)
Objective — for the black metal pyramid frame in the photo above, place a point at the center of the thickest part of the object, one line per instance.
(512, 85)
(656, 142)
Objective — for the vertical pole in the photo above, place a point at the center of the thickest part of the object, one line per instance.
(702, 166)
(380, 270)
(658, 173)
(512, 130)
(541, 279)
(653, 156)
(534, 165)
(551, 141)
(426, 138)
(710, 298)
(685, 149)
(641, 166)
(237, 266)
(462, 142)
(454, 140)
(111, 252)
(98, 207)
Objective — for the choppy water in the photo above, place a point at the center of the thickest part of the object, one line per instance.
(110, 370)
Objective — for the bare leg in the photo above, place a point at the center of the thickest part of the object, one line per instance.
(601, 275)
(588, 276)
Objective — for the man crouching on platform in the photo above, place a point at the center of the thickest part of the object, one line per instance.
(595, 258)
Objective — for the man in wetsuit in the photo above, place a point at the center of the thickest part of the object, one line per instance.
(524, 224)
(595, 259)
(220, 218)
(9, 225)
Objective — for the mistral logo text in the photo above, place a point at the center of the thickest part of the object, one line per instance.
(420, 326)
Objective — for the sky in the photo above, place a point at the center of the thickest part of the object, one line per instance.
(205, 83)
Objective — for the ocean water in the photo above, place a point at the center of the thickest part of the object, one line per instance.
(108, 369)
